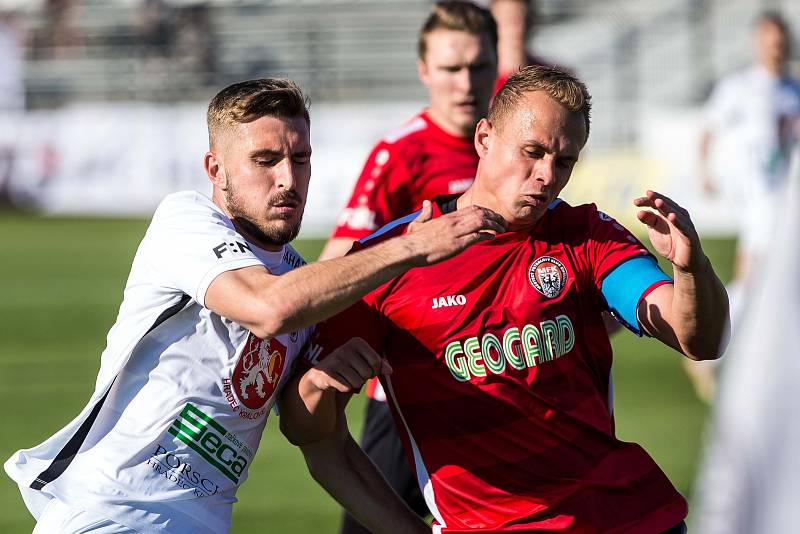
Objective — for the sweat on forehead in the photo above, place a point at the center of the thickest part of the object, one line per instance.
(559, 85)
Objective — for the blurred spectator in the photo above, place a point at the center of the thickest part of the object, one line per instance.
(752, 117)
(61, 37)
(12, 80)
(154, 28)
(193, 48)
(12, 94)
(750, 480)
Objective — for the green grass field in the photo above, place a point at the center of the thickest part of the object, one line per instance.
(61, 283)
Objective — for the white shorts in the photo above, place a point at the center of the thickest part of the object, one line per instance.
(59, 518)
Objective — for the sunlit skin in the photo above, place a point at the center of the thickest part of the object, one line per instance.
(526, 160)
(771, 46)
(260, 171)
(459, 70)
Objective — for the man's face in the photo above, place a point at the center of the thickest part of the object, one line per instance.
(527, 159)
(459, 70)
(771, 45)
(264, 171)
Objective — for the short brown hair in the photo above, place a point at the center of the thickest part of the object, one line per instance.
(561, 86)
(457, 15)
(247, 101)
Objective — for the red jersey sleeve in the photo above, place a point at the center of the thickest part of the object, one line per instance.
(609, 244)
(359, 320)
(381, 194)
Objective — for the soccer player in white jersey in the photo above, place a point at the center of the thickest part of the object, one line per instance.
(215, 310)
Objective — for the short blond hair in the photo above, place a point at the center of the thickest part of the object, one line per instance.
(250, 100)
(457, 15)
(561, 86)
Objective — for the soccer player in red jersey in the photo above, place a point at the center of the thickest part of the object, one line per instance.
(432, 154)
(501, 364)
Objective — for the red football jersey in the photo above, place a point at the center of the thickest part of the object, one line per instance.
(500, 389)
(416, 163)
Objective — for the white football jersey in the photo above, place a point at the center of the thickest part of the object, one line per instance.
(182, 395)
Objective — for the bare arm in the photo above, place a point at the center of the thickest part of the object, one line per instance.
(269, 305)
(311, 402)
(336, 247)
(339, 465)
(512, 33)
(690, 315)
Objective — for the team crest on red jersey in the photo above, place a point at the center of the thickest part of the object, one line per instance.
(548, 276)
(258, 371)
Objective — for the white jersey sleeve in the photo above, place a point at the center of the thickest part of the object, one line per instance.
(190, 242)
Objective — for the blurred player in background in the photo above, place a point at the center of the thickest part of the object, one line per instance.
(501, 360)
(216, 308)
(754, 114)
(432, 154)
(752, 118)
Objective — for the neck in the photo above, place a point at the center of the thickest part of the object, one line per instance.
(477, 196)
(775, 68)
(440, 120)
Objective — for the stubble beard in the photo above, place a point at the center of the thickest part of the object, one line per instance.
(277, 232)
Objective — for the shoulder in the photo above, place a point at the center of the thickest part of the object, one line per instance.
(292, 258)
(188, 212)
(186, 202)
(412, 129)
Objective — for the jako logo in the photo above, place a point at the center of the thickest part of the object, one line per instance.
(449, 300)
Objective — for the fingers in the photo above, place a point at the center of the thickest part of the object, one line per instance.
(668, 209)
(473, 219)
(351, 365)
(426, 213)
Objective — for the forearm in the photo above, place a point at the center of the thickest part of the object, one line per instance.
(307, 414)
(340, 466)
(319, 290)
(699, 312)
(511, 17)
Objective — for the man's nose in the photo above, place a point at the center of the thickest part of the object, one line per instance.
(465, 81)
(286, 174)
(545, 170)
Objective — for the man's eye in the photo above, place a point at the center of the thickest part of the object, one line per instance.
(302, 161)
(266, 162)
(535, 153)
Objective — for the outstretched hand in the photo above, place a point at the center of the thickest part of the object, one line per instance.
(437, 239)
(671, 231)
(347, 368)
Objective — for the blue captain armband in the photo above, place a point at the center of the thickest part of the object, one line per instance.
(624, 286)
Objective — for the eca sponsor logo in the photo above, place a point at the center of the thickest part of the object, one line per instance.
(232, 247)
(548, 276)
(517, 348)
(255, 376)
(181, 473)
(448, 301)
(211, 441)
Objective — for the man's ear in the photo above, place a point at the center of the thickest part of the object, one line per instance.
(422, 72)
(483, 136)
(215, 171)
